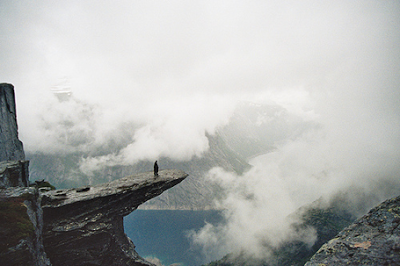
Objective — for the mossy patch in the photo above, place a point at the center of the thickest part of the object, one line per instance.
(14, 223)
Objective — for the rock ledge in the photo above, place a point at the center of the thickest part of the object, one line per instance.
(84, 226)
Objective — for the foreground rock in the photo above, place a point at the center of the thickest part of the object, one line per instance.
(374, 239)
(85, 226)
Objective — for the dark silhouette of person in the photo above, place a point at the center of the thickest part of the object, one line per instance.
(156, 169)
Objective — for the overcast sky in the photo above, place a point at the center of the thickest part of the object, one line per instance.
(181, 65)
(172, 70)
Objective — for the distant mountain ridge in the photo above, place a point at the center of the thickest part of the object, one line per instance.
(256, 129)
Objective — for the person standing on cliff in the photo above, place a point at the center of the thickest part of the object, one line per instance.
(155, 169)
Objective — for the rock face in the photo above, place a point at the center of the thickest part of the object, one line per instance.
(374, 239)
(13, 167)
(85, 226)
(11, 146)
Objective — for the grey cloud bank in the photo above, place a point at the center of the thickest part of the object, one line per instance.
(151, 78)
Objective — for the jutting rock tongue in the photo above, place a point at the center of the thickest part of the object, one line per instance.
(11, 148)
(84, 226)
(13, 167)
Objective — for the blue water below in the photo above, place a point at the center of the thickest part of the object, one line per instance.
(163, 234)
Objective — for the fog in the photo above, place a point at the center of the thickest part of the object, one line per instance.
(151, 78)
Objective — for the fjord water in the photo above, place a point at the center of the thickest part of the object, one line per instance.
(162, 234)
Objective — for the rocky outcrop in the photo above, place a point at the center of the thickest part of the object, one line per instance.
(374, 239)
(84, 226)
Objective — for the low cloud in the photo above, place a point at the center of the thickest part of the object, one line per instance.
(258, 205)
(256, 208)
(352, 153)
(155, 261)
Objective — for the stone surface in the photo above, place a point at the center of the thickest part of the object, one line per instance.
(374, 239)
(11, 148)
(13, 167)
(84, 226)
